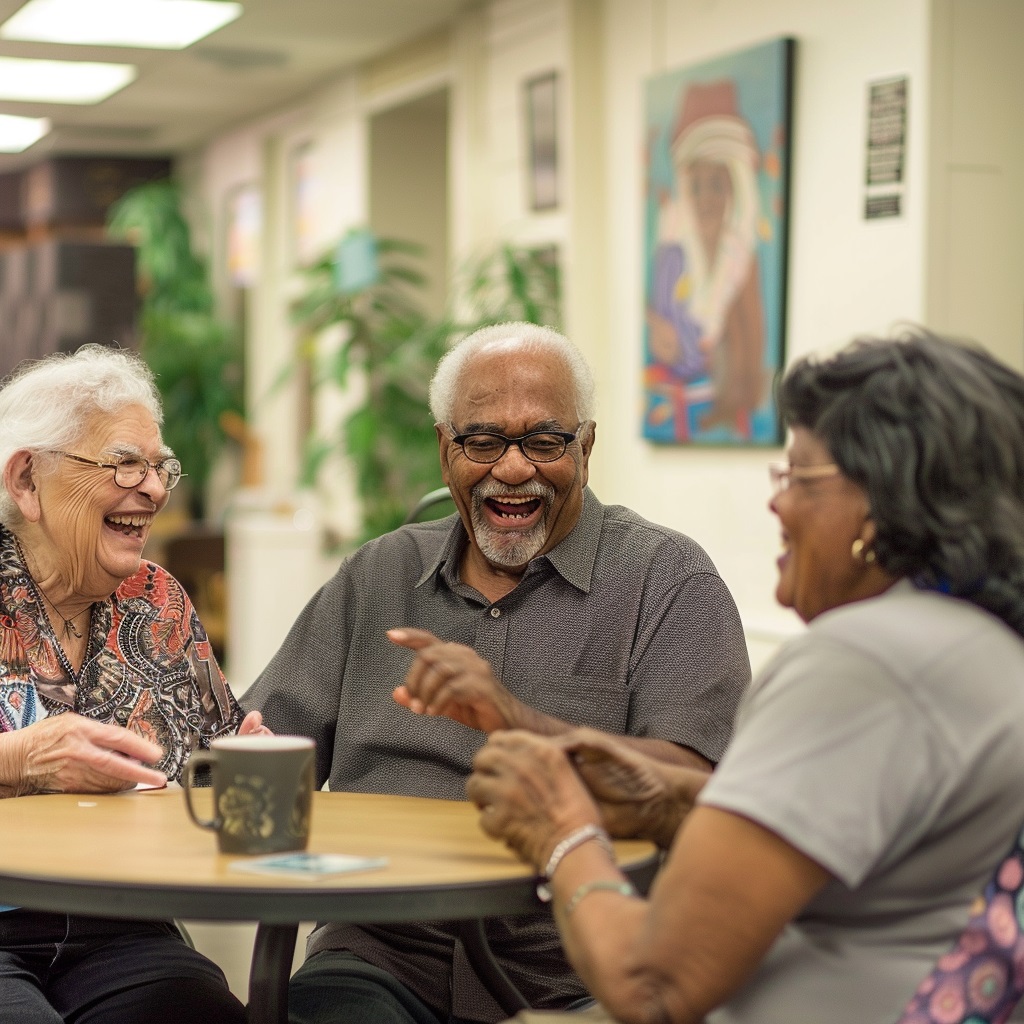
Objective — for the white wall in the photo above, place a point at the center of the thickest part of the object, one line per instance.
(847, 275)
(976, 223)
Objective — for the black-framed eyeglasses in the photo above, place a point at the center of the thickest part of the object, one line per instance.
(538, 445)
(131, 470)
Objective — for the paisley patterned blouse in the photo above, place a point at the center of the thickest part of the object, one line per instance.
(148, 666)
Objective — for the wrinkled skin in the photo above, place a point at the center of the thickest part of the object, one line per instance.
(533, 791)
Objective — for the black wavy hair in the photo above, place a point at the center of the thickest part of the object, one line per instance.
(933, 430)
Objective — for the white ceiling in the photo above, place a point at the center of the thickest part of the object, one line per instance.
(277, 51)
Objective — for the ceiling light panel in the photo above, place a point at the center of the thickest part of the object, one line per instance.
(61, 81)
(154, 24)
(18, 133)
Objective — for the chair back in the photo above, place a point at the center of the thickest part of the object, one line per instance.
(429, 501)
(981, 979)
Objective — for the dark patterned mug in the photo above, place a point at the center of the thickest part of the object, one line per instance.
(262, 792)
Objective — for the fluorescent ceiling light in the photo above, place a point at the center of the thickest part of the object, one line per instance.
(61, 81)
(18, 133)
(157, 24)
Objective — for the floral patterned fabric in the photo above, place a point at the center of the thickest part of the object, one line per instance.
(148, 666)
(981, 979)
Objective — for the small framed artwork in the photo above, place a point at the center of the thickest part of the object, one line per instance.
(541, 94)
(304, 205)
(244, 235)
(715, 247)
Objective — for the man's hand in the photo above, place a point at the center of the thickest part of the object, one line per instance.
(453, 680)
(638, 796)
(71, 754)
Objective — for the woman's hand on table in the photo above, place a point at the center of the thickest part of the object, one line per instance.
(252, 725)
(528, 793)
(68, 753)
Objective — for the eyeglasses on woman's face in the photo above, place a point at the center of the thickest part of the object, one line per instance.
(131, 470)
(783, 475)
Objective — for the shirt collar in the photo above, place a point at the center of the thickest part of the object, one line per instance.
(573, 559)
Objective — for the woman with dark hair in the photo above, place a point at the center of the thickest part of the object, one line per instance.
(874, 778)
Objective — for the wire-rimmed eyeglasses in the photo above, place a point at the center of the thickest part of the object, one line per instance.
(131, 470)
(538, 445)
(782, 474)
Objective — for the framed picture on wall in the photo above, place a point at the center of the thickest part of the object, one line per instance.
(304, 205)
(244, 233)
(541, 95)
(715, 240)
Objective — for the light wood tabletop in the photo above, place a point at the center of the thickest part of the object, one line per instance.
(139, 855)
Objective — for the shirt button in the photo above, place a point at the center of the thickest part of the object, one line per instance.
(495, 612)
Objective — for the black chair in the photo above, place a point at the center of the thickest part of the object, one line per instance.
(429, 500)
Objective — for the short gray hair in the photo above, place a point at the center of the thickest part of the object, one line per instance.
(532, 338)
(45, 404)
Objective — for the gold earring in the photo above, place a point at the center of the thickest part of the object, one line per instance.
(859, 554)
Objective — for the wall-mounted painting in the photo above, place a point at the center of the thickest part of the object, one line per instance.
(717, 203)
(542, 140)
(245, 231)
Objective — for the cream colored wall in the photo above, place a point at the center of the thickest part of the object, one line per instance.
(847, 275)
(976, 249)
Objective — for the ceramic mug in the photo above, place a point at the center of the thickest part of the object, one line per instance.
(262, 792)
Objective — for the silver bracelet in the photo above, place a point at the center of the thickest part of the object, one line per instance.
(582, 835)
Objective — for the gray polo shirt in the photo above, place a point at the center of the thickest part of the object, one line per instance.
(625, 626)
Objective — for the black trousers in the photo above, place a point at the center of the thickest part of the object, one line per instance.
(67, 969)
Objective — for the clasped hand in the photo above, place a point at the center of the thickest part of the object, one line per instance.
(533, 790)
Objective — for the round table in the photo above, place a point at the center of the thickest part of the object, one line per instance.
(138, 855)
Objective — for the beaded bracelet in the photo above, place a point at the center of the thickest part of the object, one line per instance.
(602, 884)
(582, 835)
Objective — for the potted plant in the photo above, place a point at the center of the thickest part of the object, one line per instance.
(196, 357)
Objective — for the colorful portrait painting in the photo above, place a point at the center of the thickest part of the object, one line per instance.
(717, 156)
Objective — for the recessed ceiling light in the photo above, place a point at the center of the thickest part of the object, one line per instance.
(61, 81)
(156, 24)
(18, 133)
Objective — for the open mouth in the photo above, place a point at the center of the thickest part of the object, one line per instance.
(513, 510)
(129, 526)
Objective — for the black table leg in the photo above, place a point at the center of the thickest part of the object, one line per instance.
(488, 970)
(271, 968)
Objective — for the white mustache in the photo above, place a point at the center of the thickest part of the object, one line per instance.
(531, 489)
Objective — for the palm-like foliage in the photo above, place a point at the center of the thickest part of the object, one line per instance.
(195, 356)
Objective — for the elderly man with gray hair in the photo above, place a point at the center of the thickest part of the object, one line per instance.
(535, 607)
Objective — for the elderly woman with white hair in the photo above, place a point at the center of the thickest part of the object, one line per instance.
(107, 679)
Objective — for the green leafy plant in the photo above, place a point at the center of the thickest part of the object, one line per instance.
(196, 357)
(387, 335)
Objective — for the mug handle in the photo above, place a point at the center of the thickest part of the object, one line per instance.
(197, 760)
